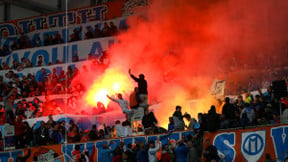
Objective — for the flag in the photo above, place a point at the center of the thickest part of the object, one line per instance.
(217, 88)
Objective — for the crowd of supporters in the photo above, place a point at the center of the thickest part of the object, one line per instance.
(247, 110)
(24, 42)
(30, 86)
(243, 111)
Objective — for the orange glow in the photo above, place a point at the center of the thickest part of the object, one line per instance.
(113, 81)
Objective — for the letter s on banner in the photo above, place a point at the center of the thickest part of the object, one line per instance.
(225, 143)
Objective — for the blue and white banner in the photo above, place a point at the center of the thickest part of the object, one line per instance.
(251, 144)
(63, 52)
(83, 121)
(94, 148)
(37, 70)
(64, 32)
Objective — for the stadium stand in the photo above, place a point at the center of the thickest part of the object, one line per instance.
(42, 132)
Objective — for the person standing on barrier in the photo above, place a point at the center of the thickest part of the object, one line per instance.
(142, 87)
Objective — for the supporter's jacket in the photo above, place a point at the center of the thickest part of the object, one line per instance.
(178, 124)
(142, 84)
(107, 153)
(7, 105)
(42, 136)
(181, 152)
(249, 113)
(119, 130)
(152, 153)
(149, 120)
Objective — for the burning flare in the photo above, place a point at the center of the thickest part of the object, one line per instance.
(111, 82)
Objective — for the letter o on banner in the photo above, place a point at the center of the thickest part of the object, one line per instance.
(43, 53)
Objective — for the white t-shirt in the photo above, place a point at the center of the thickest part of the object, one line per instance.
(7, 80)
(123, 104)
(127, 131)
(119, 130)
(152, 153)
(249, 112)
(28, 114)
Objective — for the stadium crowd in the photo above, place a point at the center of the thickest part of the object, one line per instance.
(24, 42)
(46, 83)
(242, 111)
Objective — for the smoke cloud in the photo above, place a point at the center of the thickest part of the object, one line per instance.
(181, 46)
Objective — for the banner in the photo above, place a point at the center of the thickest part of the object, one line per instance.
(217, 88)
(83, 121)
(64, 32)
(104, 11)
(7, 133)
(251, 144)
(62, 52)
(65, 151)
(49, 69)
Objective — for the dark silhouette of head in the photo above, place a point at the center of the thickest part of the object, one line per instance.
(178, 108)
(77, 147)
(141, 76)
(119, 95)
(227, 100)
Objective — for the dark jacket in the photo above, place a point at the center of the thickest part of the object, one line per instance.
(214, 120)
(142, 84)
(149, 120)
(228, 111)
(42, 136)
(210, 153)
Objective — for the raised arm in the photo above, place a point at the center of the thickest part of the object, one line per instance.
(9, 94)
(132, 76)
(112, 145)
(111, 98)
(157, 147)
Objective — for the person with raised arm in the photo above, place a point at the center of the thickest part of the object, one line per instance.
(152, 151)
(142, 88)
(9, 102)
(122, 103)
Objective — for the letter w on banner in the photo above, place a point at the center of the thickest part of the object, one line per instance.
(217, 88)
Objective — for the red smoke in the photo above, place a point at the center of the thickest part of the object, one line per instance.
(181, 46)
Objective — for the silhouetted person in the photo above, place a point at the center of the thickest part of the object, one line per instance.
(210, 152)
(178, 119)
(213, 119)
(142, 88)
(89, 34)
(97, 32)
(134, 99)
(228, 114)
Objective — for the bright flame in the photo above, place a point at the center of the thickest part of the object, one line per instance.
(113, 81)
